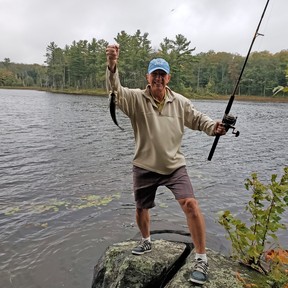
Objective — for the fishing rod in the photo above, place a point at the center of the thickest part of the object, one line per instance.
(229, 120)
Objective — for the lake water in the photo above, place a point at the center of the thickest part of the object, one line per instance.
(66, 181)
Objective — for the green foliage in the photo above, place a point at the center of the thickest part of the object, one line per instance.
(267, 204)
(82, 64)
(278, 262)
(7, 78)
(135, 51)
(22, 75)
(278, 89)
(205, 73)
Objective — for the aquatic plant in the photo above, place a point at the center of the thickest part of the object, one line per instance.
(54, 205)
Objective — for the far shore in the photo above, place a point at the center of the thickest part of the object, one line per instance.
(102, 92)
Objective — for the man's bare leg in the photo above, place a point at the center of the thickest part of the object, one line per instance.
(196, 223)
(143, 221)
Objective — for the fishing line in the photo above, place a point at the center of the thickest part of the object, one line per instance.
(264, 29)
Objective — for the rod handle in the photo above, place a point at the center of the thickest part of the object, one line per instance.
(213, 147)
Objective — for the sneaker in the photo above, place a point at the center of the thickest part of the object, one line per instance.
(199, 274)
(143, 247)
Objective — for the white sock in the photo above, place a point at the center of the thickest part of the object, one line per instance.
(201, 256)
(147, 239)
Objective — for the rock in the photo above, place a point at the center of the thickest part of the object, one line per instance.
(222, 273)
(119, 268)
(168, 265)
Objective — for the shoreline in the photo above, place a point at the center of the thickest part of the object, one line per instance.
(102, 92)
(247, 98)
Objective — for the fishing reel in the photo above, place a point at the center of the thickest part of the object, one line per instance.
(229, 121)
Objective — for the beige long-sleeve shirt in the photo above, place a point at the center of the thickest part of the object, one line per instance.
(158, 133)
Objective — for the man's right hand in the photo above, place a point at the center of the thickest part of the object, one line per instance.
(112, 54)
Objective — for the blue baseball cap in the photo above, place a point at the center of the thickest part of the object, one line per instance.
(158, 64)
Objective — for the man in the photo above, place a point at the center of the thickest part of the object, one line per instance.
(158, 116)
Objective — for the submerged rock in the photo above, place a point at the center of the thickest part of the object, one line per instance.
(168, 265)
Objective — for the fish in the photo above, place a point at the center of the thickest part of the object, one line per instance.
(112, 107)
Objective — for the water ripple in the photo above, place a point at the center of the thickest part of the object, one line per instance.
(59, 152)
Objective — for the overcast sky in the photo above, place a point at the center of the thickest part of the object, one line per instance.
(28, 26)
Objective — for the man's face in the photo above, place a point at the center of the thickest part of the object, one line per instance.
(158, 79)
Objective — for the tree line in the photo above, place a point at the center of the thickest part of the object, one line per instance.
(82, 65)
(22, 75)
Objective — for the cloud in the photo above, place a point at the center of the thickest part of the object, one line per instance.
(27, 27)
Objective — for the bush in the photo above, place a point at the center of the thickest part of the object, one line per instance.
(250, 244)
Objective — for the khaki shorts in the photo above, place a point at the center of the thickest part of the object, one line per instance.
(146, 183)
